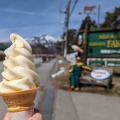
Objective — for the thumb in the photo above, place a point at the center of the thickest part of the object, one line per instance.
(36, 116)
(7, 116)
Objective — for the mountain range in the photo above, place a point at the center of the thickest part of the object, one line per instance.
(35, 41)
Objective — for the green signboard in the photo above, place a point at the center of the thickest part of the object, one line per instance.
(104, 43)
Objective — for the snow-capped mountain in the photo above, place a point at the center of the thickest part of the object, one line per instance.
(48, 38)
(34, 41)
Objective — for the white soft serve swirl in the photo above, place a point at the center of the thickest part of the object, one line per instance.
(19, 69)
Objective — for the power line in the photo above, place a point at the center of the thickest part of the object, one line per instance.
(73, 7)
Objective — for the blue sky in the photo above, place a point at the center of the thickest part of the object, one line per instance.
(38, 17)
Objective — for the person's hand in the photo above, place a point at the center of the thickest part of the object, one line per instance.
(7, 116)
(36, 116)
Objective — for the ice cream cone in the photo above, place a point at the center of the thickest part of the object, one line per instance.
(20, 101)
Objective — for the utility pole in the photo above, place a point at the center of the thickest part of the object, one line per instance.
(67, 12)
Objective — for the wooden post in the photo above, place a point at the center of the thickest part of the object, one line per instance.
(87, 25)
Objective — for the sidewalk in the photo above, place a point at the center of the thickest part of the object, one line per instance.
(85, 106)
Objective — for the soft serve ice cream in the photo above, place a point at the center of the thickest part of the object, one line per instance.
(19, 70)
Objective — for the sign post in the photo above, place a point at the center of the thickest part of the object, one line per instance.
(88, 20)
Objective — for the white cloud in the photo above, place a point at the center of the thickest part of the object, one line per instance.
(21, 12)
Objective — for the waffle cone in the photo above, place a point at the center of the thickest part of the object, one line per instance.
(20, 101)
